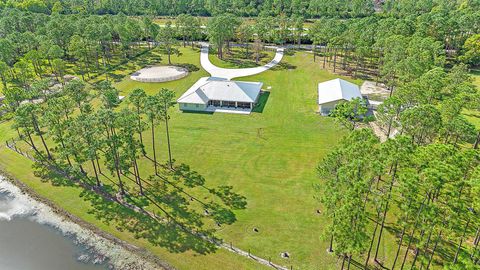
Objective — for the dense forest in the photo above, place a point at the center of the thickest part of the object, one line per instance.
(311, 8)
(244, 8)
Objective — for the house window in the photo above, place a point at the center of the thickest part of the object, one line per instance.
(228, 104)
(196, 105)
(244, 105)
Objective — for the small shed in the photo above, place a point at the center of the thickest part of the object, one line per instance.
(330, 93)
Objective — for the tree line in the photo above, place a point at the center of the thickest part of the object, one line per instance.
(310, 8)
(396, 48)
(382, 46)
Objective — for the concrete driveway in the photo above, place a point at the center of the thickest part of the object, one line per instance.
(227, 73)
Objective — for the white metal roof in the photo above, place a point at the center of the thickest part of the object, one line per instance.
(212, 88)
(337, 89)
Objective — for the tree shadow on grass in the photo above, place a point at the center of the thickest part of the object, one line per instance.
(116, 77)
(239, 59)
(262, 102)
(47, 175)
(444, 252)
(167, 215)
(473, 115)
(290, 52)
(142, 226)
(284, 66)
(188, 66)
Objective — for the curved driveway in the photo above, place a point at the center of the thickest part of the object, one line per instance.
(228, 73)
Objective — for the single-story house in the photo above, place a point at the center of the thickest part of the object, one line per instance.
(330, 93)
(213, 94)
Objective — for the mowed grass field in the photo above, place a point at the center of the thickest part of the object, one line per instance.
(269, 157)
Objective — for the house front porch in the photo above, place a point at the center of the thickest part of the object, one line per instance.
(234, 110)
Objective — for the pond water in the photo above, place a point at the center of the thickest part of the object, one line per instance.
(28, 242)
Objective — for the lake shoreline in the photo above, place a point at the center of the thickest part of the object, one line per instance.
(123, 255)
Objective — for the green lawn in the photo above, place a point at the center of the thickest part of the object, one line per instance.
(269, 157)
(237, 58)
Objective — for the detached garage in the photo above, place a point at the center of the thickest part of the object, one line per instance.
(330, 93)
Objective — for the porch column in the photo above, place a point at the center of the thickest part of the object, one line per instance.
(251, 105)
(236, 104)
(221, 103)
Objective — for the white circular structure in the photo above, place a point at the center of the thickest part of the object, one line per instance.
(159, 74)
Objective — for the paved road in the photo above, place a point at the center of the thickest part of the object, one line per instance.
(236, 72)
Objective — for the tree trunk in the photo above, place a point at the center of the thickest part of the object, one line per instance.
(426, 247)
(371, 242)
(67, 156)
(169, 53)
(330, 247)
(220, 51)
(386, 209)
(105, 67)
(98, 163)
(153, 147)
(475, 243)
(44, 143)
(139, 120)
(120, 183)
(31, 142)
(325, 57)
(477, 141)
(461, 241)
(168, 141)
(343, 261)
(334, 59)
(117, 164)
(138, 176)
(399, 247)
(413, 233)
(96, 174)
(434, 248)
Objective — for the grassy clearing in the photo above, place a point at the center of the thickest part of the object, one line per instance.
(269, 157)
(471, 115)
(238, 58)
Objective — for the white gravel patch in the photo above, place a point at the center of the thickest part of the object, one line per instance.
(159, 74)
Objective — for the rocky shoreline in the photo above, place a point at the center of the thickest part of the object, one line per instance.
(101, 246)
